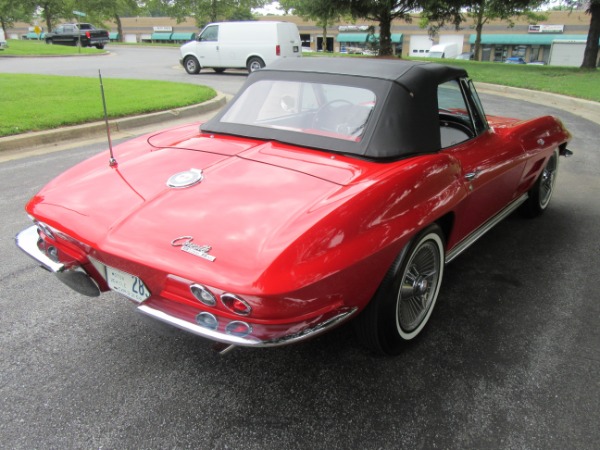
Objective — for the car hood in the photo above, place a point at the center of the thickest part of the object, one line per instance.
(255, 199)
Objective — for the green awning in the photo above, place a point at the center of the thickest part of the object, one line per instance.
(525, 39)
(362, 37)
(396, 38)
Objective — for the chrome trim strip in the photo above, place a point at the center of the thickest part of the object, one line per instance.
(246, 341)
(475, 235)
(27, 240)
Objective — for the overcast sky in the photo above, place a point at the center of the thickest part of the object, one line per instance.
(269, 9)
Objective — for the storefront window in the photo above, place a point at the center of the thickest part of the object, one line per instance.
(486, 52)
(519, 50)
(500, 53)
(534, 54)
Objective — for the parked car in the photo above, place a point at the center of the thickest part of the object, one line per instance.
(515, 60)
(241, 45)
(328, 189)
(83, 34)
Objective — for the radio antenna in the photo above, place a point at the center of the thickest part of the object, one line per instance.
(112, 161)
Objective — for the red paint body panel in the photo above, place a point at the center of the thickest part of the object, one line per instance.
(284, 223)
(301, 235)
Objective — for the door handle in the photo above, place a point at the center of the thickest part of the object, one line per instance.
(471, 175)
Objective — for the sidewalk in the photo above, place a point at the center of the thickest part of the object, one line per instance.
(584, 108)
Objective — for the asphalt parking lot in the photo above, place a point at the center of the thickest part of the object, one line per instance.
(510, 358)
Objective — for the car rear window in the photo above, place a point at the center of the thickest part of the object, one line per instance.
(330, 110)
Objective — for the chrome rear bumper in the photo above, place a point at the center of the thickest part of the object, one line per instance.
(27, 240)
(247, 341)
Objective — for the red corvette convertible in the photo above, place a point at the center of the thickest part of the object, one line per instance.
(327, 190)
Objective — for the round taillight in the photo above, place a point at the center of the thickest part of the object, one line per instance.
(207, 320)
(46, 230)
(238, 329)
(236, 304)
(203, 295)
(52, 253)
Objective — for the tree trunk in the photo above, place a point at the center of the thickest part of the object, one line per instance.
(324, 37)
(385, 35)
(478, 29)
(590, 56)
(119, 28)
(48, 17)
(213, 11)
(477, 51)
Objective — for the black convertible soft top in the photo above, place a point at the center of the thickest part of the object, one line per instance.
(410, 74)
(405, 119)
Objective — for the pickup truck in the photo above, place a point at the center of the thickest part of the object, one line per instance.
(83, 34)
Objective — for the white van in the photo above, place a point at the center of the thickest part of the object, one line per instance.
(238, 45)
(448, 50)
(3, 43)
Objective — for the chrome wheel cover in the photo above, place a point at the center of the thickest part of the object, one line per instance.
(190, 64)
(419, 287)
(254, 66)
(547, 181)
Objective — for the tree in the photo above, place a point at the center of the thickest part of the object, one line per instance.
(323, 12)
(203, 11)
(438, 12)
(484, 11)
(241, 15)
(382, 12)
(12, 11)
(590, 55)
(100, 10)
(53, 10)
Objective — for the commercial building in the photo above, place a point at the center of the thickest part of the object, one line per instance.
(532, 42)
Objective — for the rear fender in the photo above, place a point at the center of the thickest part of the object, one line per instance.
(367, 226)
(539, 138)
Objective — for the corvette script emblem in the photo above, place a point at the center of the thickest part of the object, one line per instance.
(186, 244)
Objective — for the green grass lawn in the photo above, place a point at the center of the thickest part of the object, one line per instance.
(40, 48)
(33, 102)
(569, 81)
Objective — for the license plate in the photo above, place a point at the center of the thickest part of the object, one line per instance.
(128, 285)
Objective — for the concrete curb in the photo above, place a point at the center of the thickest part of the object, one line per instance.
(584, 108)
(88, 130)
(56, 56)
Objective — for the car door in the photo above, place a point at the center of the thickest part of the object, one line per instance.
(207, 47)
(58, 35)
(69, 35)
(491, 166)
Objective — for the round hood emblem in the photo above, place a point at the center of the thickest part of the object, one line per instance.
(185, 179)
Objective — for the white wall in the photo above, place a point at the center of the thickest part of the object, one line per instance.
(566, 53)
(419, 46)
